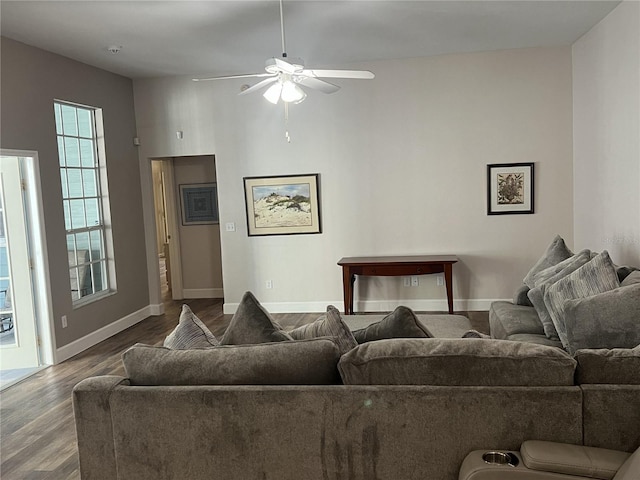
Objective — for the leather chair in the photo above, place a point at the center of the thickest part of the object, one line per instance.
(539, 460)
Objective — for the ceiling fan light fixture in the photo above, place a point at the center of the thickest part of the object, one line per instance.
(272, 94)
(292, 93)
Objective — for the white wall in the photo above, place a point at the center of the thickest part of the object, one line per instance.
(606, 93)
(402, 160)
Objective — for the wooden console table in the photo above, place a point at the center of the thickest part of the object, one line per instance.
(395, 267)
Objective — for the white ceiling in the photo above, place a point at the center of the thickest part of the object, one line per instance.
(162, 38)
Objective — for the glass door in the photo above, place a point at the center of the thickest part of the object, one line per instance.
(18, 336)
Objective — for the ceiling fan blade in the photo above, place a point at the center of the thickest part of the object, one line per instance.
(317, 84)
(244, 75)
(285, 66)
(358, 74)
(259, 85)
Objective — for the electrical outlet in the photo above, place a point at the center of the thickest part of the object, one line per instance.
(230, 227)
(63, 319)
(440, 280)
(407, 281)
(414, 281)
(269, 284)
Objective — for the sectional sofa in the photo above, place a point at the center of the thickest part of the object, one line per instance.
(387, 409)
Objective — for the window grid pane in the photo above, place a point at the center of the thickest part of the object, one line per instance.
(82, 202)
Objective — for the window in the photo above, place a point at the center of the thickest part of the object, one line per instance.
(83, 197)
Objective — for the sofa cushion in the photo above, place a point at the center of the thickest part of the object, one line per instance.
(328, 325)
(555, 253)
(401, 323)
(445, 361)
(616, 366)
(593, 277)
(506, 319)
(252, 324)
(547, 277)
(538, 339)
(190, 333)
(304, 362)
(606, 320)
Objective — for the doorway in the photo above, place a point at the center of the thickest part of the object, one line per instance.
(21, 267)
(190, 258)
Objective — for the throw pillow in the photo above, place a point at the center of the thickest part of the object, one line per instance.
(252, 324)
(401, 323)
(190, 333)
(555, 253)
(624, 272)
(547, 277)
(606, 320)
(328, 325)
(520, 296)
(632, 279)
(307, 362)
(596, 276)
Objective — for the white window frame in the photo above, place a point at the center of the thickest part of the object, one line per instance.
(106, 261)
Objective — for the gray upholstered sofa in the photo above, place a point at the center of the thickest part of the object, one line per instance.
(388, 409)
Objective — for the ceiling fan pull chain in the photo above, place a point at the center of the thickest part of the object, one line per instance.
(284, 49)
(286, 122)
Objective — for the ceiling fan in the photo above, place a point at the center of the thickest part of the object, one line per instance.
(286, 76)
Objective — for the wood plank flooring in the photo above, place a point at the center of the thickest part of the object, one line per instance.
(37, 431)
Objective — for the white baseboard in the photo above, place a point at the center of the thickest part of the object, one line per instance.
(203, 293)
(462, 305)
(78, 346)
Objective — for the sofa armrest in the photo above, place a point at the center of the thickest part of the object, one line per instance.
(92, 413)
(572, 459)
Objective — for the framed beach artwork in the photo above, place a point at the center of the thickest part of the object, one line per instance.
(509, 188)
(282, 205)
(199, 202)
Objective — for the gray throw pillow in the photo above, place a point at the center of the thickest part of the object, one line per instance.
(520, 296)
(190, 333)
(632, 278)
(307, 362)
(547, 277)
(328, 325)
(555, 253)
(401, 323)
(607, 320)
(252, 324)
(596, 276)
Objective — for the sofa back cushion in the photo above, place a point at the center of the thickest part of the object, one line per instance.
(448, 362)
(304, 362)
(616, 366)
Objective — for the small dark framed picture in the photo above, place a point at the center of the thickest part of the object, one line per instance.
(199, 202)
(509, 188)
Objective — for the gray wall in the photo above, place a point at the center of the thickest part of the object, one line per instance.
(30, 81)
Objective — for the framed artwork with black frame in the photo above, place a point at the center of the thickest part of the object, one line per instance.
(510, 188)
(282, 205)
(199, 204)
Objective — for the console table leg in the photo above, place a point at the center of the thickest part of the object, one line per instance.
(448, 278)
(347, 285)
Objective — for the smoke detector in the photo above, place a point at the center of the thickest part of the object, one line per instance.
(114, 48)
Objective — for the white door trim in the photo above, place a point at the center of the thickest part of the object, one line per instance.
(38, 246)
